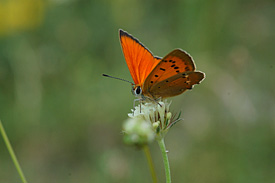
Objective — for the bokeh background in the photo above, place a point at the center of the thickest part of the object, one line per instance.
(64, 119)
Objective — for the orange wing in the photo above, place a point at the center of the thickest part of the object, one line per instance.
(139, 59)
(177, 61)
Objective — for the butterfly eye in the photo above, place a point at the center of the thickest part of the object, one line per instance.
(138, 90)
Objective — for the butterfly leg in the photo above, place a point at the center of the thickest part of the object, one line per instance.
(134, 103)
(140, 105)
(158, 103)
(155, 100)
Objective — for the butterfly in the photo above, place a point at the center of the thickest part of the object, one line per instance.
(158, 78)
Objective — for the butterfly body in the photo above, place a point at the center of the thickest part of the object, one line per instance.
(154, 77)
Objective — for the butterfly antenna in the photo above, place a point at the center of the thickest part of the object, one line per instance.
(117, 78)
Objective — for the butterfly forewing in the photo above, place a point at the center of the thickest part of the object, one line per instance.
(174, 63)
(139, 59)
(176, 84)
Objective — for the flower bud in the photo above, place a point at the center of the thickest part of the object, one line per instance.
(138, 132)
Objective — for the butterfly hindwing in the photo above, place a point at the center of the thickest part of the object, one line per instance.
(139, 59)
(178, 61)
(176, 84)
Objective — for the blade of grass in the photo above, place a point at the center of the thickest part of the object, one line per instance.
(12, 154)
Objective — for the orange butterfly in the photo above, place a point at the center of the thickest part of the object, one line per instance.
(154, 77)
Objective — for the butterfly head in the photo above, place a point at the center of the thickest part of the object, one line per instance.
(136, 90)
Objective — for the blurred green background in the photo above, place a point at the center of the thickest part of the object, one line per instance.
(64, 119)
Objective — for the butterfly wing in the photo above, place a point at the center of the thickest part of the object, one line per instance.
(166, 79)
(176, 84)
(139, 59)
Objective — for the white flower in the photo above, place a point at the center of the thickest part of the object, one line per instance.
(147, 122)
(138, 131)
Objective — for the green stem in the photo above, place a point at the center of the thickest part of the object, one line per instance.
(13, 157)
(165, 160)
(150, 163)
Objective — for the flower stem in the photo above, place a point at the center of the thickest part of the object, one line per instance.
(12, 154)
(165, 160)
(150, 163)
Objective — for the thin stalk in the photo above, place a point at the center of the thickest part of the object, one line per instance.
(165, 160)
(150, 163)
(12, 154)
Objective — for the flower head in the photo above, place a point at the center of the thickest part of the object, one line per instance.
(148, 121)
(138, 132)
